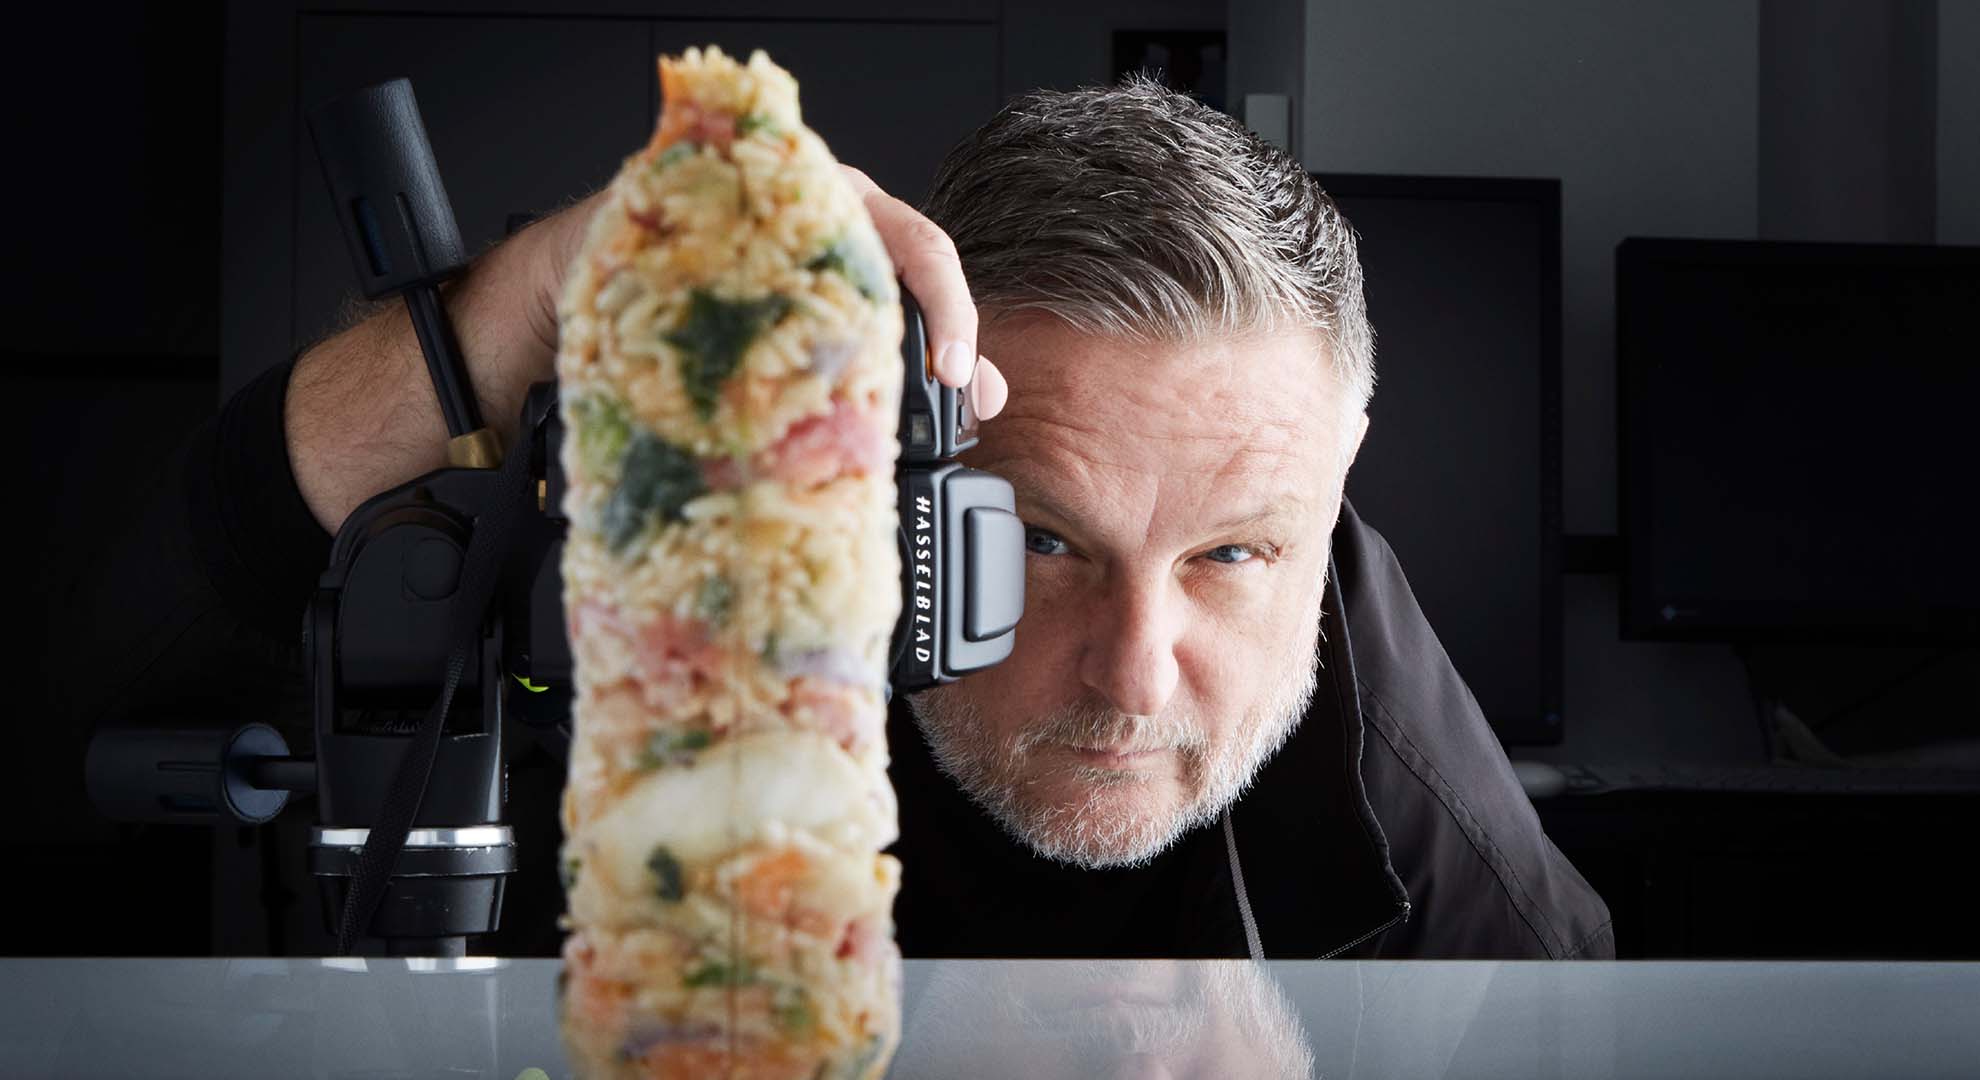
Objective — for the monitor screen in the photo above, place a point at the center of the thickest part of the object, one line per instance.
(1797, 458)
(1461, 467)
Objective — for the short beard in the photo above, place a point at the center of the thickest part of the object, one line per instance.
(994, 773)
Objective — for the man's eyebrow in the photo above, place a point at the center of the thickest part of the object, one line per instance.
(1030, 494)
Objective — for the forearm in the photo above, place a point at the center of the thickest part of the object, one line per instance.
(361, 415)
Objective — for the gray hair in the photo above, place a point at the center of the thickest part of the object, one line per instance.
(1136, 212)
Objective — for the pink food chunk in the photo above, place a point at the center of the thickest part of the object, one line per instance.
(848, 440)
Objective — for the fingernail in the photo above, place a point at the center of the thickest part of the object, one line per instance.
(955, 364)
(987, 391)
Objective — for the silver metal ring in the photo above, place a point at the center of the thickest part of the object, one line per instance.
(471, 836)
(422, 965)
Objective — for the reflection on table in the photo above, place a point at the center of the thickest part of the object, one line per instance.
(1091, 1020)
(1036, 1020)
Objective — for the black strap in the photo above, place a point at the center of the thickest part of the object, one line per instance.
(488, 550)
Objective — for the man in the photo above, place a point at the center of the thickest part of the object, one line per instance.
(1178, 311)
(1226, 729)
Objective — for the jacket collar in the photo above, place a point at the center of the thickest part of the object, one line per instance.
(1315, 859)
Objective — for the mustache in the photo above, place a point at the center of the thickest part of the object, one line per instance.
(1090, 724)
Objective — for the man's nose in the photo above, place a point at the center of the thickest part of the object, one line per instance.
(1130, 654)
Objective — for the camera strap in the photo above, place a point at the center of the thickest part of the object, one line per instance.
(493, 538)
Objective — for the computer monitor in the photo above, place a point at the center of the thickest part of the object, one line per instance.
(1461, 469)
(1798, 456)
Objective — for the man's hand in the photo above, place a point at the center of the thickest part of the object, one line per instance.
(925, 258)
(361, 416)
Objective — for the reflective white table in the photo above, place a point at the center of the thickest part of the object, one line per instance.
(1037, 1020)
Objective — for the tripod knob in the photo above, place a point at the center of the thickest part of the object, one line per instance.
(188, 777)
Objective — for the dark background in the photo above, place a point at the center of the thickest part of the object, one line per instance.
(170, 239)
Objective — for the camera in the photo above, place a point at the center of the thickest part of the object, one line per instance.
(962, 544)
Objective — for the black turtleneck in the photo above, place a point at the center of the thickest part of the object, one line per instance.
(969, 890)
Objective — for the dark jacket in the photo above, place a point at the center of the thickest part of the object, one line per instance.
(1433, 839)
(1390, 825)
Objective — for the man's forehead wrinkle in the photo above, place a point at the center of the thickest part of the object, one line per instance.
(1275, 489)
(1268, 444)
(1165, 392)
(1069, 486)
(1053, 444)
(1062, 432)
(1147, 405)
(1154, 391)
(1062, 459)
(1052, 407)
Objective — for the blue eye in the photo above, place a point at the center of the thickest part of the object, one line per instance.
(1229, 554)
(1039, 542)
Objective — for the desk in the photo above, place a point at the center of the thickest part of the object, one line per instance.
(1038, 1020)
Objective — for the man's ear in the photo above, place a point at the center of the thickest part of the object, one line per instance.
(1360, 433)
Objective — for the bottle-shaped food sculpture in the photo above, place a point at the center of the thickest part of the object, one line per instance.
(730, 376)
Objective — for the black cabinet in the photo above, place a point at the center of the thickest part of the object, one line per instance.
(1697, 875)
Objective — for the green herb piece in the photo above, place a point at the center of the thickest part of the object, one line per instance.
(713, 600)
(714, 336)
(569, 871)
(863, 268)
(792, 1008)
(656, 480)
(666, 746)
(532, 1073)
(667, 870)
(716, 973)
(603, 427)
(675, 154)
(753, 123)
(692, 740)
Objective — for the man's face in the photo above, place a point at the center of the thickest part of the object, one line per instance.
(1178, 502)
